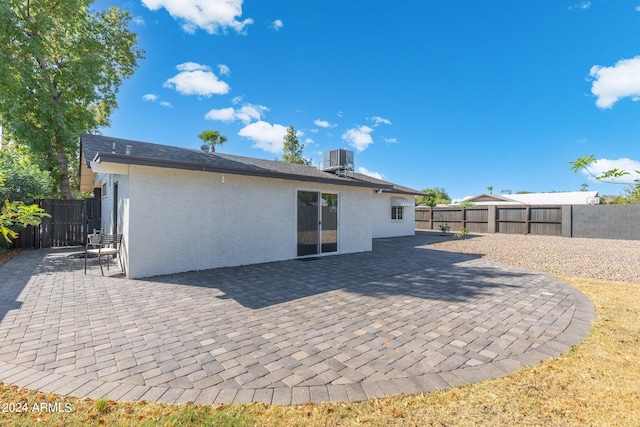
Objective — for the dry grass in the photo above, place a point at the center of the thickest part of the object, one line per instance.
(596, 383)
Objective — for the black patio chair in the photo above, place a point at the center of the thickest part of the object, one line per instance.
(103, 245)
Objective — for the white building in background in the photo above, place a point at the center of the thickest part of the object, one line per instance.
(536, 199)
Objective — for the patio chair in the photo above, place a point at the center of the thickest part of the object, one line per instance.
(103, 245)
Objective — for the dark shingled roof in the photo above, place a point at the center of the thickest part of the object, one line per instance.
(99, 148)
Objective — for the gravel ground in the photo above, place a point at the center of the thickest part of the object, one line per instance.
(605, 259)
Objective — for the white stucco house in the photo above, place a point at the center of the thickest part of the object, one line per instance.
(181, 209)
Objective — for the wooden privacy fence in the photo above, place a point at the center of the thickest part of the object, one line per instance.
(546, 220)
(473, 219)
(70, 222)
(520, 219)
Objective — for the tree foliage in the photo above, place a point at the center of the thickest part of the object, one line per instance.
(292, 149)
(632, 193)
(15, 214)
(61, 66)
(212, 138)
(433, 197)
(583, 163)
(24, 181)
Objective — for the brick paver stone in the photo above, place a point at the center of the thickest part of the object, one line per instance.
(403, 318)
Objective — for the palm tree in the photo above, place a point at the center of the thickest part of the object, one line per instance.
(212, 138)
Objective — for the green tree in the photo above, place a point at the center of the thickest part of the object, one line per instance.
(584, 163)
(61, 66)
(212, 138)
(467, 204)
(15, 214)
(292, 149)
(433, 196)
(24, 181)
(632, 193)
(490, 188)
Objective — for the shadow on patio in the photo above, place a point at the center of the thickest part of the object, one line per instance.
(395, 267)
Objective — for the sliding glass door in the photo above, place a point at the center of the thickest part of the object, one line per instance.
(329, 223)
(317, 223)
(308, 222)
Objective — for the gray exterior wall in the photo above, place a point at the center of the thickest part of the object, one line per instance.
(606, 221)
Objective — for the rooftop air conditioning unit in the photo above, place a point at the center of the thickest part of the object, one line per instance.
(339, 161)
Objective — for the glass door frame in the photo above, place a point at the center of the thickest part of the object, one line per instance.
(304, 239)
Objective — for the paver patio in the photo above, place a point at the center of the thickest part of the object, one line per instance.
(403, 318)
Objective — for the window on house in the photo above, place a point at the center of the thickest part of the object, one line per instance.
(397, 213)
(104, 190)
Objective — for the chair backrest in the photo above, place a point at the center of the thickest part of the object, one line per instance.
(94, 239)
(111, 239)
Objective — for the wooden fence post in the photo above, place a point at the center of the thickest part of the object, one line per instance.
(491, 219)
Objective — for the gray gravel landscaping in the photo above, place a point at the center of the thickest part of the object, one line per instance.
(604, 259)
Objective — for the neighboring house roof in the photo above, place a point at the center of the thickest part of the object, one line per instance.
(99, 149)
(556, 198)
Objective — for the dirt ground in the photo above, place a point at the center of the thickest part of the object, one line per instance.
(8, 254)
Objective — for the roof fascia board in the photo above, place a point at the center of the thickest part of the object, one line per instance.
(175, 164)
(107, 167)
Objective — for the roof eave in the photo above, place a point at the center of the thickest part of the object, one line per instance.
(176, 164)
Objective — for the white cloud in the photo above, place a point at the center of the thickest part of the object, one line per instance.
(340, 114)
(308, 141)
(150, 97)
(367, 172)
(603, 165)
(391, 140)
(637, 8)
(581, 6)
(237, 99)
(359, 137)
(276, 25)
(138, 20)
(324, 124)
(192, 66)
(379, 120)
(221, 115)
(197, 79)
(247, 113)
(209, 15)
(613, 83)
(267, 137)
(224, 70)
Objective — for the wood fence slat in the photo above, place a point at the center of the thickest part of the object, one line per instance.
(70, 222)
(546, 220)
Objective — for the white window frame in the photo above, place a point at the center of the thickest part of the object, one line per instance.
(397, 213)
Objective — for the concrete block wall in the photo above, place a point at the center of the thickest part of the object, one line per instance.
(606, 221)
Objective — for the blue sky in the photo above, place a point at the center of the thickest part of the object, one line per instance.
(442, 93)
